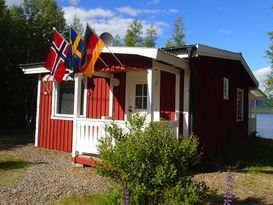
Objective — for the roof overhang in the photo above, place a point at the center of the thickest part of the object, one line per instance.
(153, 53)
(258, 94)
(203, 50)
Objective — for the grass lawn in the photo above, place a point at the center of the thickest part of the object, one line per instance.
(11, 167)
(251, 166)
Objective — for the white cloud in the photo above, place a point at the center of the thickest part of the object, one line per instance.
(173, 10)
(103, 20)
(84, 15)
(261, 76)
(153, 2)
(14, 2)
(74, 2)
(135, 12)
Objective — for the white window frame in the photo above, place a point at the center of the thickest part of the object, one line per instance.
(226, 88)
(241, 106)
(54, 114)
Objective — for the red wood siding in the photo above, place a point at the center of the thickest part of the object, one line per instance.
(167, 95)
(53, 134)
(181, 102)
(119, 97)
(98, 97)
(214, 119)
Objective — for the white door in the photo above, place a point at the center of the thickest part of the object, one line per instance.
(137, 93)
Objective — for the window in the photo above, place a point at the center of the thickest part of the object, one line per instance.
(226, 88)
(240, 105)
(64, 99)
(141, 96)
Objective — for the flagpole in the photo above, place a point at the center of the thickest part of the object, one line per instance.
(54, 29)
(106, 46)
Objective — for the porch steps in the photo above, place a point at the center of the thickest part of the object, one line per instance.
(87, 160)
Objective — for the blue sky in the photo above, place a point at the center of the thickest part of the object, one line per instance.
(235, 25)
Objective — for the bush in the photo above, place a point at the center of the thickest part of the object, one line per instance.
(151, 162)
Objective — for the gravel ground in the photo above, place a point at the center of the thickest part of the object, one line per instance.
(49, 176)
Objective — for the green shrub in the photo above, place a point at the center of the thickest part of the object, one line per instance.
(150, 161)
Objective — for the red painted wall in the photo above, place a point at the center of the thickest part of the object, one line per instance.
(181, 102)
(98, 97)
(167, 95)
(119, 97)
(214, 119)
(53, 134)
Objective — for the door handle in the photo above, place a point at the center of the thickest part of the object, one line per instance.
(130, 109)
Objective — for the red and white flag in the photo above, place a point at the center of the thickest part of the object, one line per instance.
(56, 57)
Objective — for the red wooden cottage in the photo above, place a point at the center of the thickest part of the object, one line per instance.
(199, 89)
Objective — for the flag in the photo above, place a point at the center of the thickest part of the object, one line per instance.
(92, 47)
(73, 57)
(56, 57)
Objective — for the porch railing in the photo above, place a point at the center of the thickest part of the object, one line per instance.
(89, 131)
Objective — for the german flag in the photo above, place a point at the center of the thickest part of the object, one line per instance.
(92, 48)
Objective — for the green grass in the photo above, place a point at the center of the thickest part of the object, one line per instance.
(11, 168)
(110, 198)
(251, 165)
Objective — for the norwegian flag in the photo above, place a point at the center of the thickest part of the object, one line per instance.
(56, 57)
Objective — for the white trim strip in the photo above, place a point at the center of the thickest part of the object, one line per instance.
(38, 111)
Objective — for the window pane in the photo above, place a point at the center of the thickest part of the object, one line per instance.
(138, 89)
(145, 90)
(66, 98)
(138, 102)
(144, 102)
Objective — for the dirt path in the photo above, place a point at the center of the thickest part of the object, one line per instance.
(49, 175)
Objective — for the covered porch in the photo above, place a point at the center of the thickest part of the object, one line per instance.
(151, 82)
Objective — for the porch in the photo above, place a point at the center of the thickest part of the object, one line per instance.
(156, 89)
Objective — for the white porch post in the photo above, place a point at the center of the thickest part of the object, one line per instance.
(150, 93)
(38, 111)
(177, 103)
(186, 103)
(111, 98)
(77, 108)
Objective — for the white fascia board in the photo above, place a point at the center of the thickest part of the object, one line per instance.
(35, 70)
(153, 53)
(203, 50)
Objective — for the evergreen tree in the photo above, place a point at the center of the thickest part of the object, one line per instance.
(178, 35)
(133, 36)
(117, 41)
(150, 37)
(77, 25)
(26, 34)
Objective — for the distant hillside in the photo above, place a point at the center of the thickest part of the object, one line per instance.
(263, 108)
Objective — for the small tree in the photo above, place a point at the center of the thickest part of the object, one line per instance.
(178, 35)
(117, 41)
(77, 25)
(150, 37)
(133, 36)
(151, 162)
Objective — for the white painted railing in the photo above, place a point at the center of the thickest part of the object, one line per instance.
(88, 133)
(175, 126)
